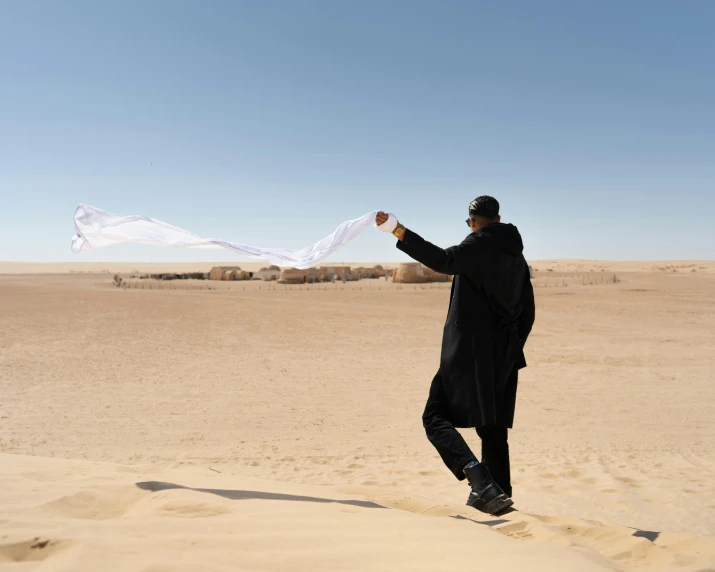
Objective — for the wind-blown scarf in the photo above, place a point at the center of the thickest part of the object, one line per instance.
(96, 228)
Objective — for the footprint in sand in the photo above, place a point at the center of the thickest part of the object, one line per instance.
(519, 529)
(33, 550)
(192, 510)
(632, 546)
(620, 545)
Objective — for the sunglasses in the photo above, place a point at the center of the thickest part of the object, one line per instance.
(469, 222)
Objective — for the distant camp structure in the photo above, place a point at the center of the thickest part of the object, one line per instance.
(412, 272)
(237, 275)
(374, 272)
(217, 272)
(436, 276)
(177, 276)
(269, 273)
(311, 275)
(292, 276)
(229, 273)
(328, 274)
(415, 273)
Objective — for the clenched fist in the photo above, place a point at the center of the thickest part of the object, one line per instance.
(387, 222)
(381, 218)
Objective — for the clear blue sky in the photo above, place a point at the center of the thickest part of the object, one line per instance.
(271, 122)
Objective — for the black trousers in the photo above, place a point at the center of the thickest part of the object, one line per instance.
(452, 447)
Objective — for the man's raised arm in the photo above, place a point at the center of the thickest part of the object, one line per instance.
(458, 259)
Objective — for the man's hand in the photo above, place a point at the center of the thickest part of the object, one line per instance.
(397, 230)
(381, 218)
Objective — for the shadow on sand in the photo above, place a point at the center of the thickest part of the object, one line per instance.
(236, 494)
(155, 486)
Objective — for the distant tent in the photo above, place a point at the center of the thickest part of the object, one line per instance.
(293, 276)
(433, 276)
(410, 272)
(338, 272)
(363, 272)
(415, 273)
(218, 272)
(269, 273)
(236, 275)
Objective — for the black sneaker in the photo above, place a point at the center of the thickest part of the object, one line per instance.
(486, 495)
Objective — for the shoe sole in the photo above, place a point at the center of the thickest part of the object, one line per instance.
(494, 506)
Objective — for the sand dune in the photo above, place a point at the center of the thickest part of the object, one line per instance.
(85, 516)
(307, 392)
(82, 515)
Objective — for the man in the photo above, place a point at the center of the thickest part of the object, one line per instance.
(490, 315)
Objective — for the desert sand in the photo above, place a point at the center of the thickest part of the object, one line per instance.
(198, 426)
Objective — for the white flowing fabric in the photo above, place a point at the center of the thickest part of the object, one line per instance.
(96, 228)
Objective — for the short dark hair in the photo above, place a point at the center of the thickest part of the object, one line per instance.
(484, 206)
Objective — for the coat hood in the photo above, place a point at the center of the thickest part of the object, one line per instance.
(506, 236)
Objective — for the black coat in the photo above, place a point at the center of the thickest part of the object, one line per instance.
(491, 312)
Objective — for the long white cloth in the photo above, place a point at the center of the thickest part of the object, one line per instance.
(96, 228)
